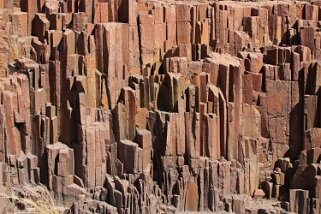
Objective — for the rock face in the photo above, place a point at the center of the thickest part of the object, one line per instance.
(145, 106)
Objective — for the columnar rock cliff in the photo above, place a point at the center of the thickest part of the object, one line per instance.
(163, 106)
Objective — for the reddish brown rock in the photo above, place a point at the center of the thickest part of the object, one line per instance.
(162, 107)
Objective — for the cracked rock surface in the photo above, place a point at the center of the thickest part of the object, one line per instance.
(146, 106)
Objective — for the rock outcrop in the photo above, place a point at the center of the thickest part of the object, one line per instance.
(146, 106)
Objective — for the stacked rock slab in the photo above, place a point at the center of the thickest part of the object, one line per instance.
(142, 106)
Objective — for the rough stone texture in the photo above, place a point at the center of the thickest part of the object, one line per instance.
(145, 106)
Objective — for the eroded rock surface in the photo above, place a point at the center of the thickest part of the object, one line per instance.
(141, 106)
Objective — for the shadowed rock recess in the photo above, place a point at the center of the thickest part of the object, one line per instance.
(162, 106)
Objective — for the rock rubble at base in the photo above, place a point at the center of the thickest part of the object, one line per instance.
(142, 106)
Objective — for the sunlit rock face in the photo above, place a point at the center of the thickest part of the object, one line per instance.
(140, 106)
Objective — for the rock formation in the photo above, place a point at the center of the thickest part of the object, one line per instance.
(163, 106)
